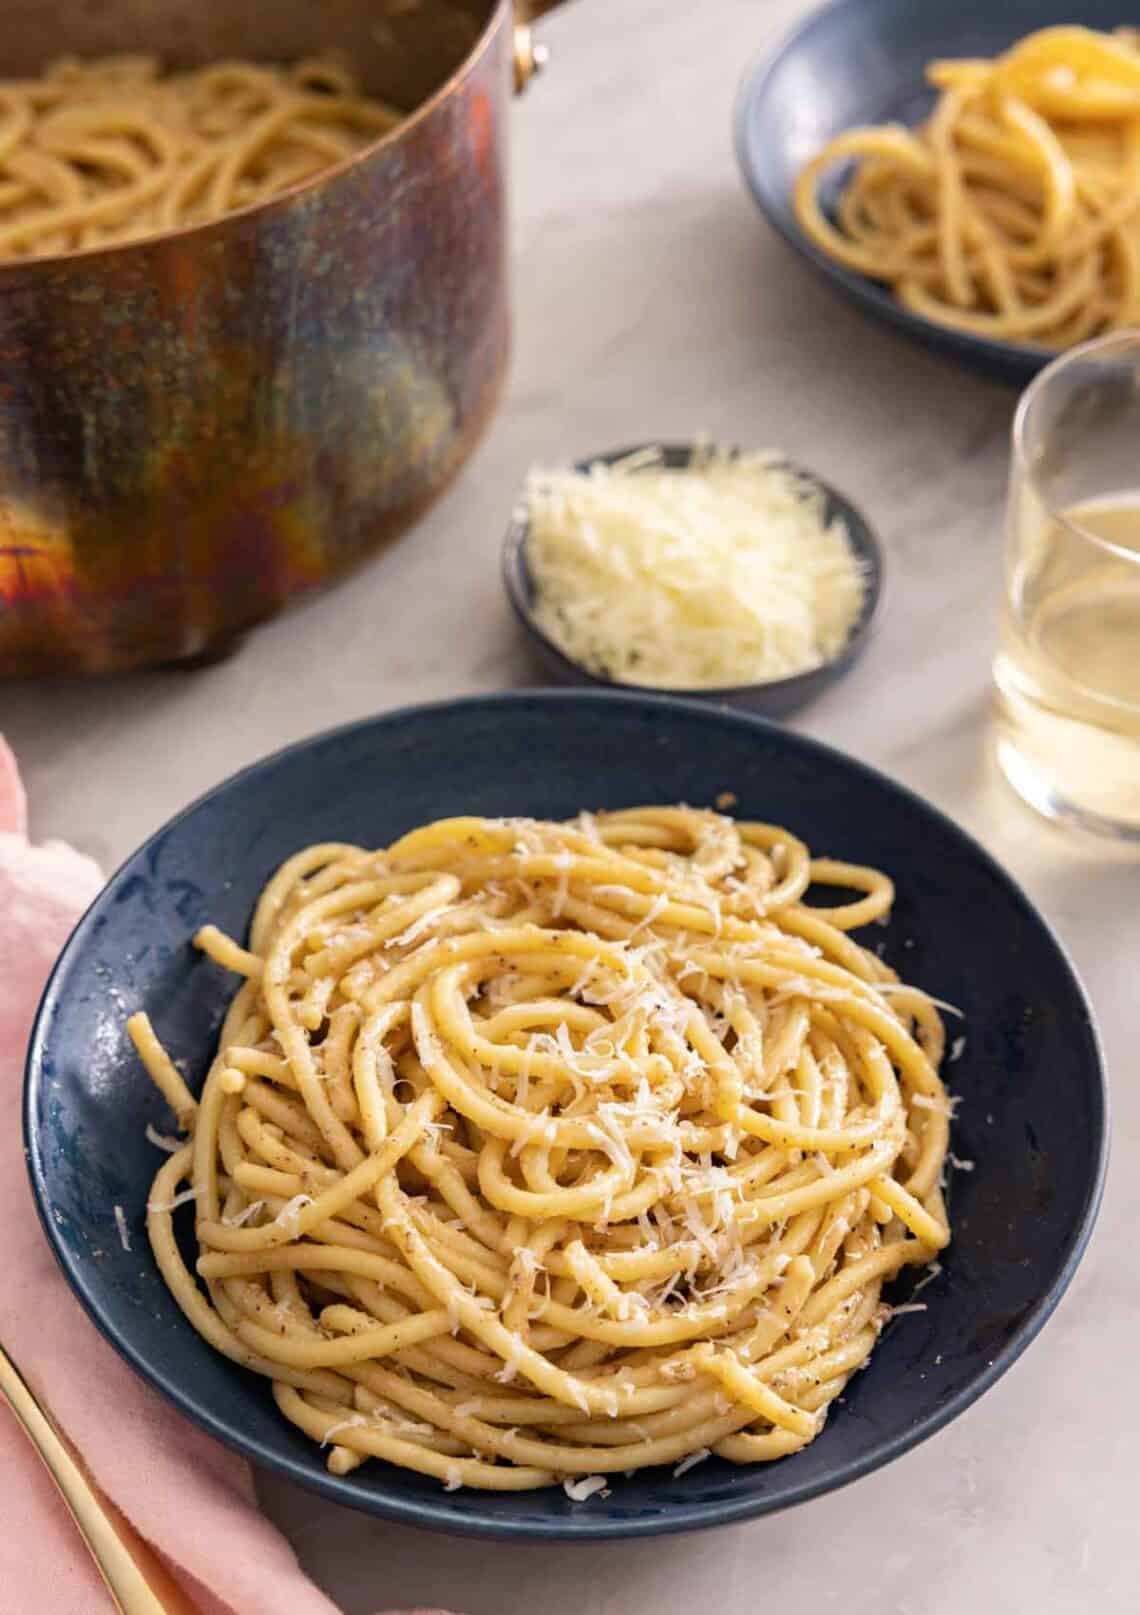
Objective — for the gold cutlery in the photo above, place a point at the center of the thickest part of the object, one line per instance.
(137, 1580)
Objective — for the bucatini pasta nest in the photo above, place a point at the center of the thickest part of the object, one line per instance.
(1014, 212)
(535, 1152)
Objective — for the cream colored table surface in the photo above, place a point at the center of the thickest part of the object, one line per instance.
(651, 301)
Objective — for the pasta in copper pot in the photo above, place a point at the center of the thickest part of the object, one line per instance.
(94, 153)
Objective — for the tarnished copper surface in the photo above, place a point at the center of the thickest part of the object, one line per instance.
(196, 429)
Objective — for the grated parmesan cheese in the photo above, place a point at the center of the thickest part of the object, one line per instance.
(163, 1141)
(888, 987)
(291, 1210)
(180, 1199)
(418, 928)
(928, 1277)
(724, 572)
(510, 1367)
(580, 1491)
(354, 1421)
(121, 1225)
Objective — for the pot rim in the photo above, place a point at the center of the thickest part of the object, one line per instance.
(15, 268)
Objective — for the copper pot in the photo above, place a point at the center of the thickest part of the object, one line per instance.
(197, 428)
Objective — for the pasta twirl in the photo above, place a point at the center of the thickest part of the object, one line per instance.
(533, 1151)
(1014, 212)
(95, 153)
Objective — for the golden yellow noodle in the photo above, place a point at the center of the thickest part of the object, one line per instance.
(1014, 212)
(98, 152)
(534, 1151)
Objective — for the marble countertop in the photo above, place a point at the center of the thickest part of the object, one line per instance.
(652, 301)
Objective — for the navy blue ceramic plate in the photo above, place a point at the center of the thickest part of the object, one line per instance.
(1032, 1116)
(863, 61)
(778, 698)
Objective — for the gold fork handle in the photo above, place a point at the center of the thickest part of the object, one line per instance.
(136, 1578)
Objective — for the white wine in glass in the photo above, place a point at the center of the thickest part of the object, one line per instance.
(1067, 673)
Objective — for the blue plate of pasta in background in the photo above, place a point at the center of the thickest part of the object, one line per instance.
(989, 267)
(580, 1133)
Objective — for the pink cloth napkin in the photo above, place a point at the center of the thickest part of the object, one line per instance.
(188, 1496)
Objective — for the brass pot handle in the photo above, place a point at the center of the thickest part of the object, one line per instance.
(531, 56)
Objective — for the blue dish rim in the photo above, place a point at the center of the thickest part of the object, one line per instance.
(1012, 362)
(791, 692)
(576, 1528)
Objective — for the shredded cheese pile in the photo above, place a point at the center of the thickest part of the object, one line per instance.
(726, 572)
